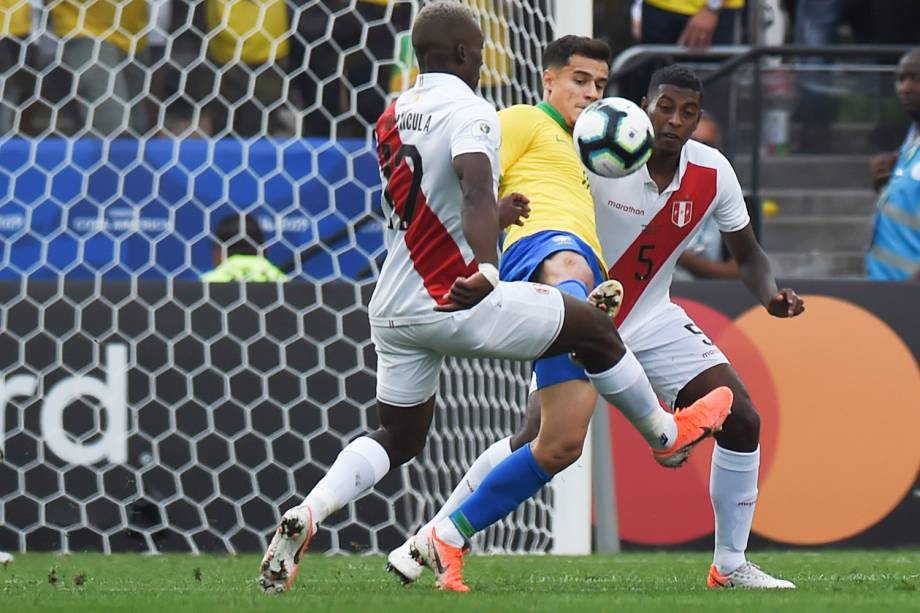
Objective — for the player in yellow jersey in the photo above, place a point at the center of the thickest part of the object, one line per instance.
(557, 245)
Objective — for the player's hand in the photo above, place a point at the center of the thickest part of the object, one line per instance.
(786, 303)
(466, 292)
(513, 209)
(880, 167)
(697, 35)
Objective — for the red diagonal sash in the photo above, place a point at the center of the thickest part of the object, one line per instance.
(641, 261)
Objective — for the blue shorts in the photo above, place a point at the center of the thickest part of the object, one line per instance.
(522, 259)
(521, 262)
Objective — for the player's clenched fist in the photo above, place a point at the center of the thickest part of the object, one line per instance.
(786, 303)
(467, 292)
(513, 209)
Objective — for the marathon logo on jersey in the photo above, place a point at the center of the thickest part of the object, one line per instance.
(681, 212)
(626, 208)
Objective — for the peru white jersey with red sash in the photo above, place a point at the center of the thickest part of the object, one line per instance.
(418, 136)
(643, 232)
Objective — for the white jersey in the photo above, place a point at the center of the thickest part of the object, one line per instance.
(418, 136)
(642, 232)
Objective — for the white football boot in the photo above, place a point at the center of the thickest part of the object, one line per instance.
(5, 558)
(282, 558)
(748, 575)
(403, 562)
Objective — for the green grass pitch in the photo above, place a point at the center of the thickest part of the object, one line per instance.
(674, 582)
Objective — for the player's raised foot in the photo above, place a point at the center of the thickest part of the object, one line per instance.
(445, 561)
(282, 558)
(701, 419)
(608, 297)
(403, 562)
(748, 575)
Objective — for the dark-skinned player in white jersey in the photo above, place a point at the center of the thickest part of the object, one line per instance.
(438, 293)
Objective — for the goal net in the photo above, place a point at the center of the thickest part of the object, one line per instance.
(141, 409)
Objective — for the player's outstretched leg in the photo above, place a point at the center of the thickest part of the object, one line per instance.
(733, 483)
(617, 375)
(356, 469)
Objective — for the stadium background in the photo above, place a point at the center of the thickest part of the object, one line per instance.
(141, 410)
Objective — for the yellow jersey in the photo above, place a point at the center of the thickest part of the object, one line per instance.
(258, 27)
(120, 22)
(15, 18)
(538, 159)
(690, 7)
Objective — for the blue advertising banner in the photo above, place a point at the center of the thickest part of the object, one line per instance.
(129, 208)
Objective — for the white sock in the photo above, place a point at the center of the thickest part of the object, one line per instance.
(487, 460)
(626, 386)
(447, 532)
(357, 468)
(733, 490)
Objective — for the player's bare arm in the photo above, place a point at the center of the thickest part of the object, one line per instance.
(480, 227)
(754, 271)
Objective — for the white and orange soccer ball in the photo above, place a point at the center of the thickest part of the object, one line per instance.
(613, 137)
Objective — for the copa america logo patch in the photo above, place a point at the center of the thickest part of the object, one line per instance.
(681, 212)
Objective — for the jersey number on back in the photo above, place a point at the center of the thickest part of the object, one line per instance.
(404, 183)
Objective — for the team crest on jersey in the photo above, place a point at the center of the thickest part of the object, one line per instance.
(681, 212)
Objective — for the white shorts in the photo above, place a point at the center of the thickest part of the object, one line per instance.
(672, 350)
(517, 321)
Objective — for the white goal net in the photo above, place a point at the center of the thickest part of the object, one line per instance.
(143, 410)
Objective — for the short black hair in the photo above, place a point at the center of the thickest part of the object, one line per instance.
(239, 234)
(676, 75)
(558, 52)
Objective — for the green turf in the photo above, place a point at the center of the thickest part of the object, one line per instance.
(673, 582)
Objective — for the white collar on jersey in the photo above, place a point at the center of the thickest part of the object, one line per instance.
(678, 177)
(440, 79)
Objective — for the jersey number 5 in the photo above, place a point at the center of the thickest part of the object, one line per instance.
(645, 259)
(404, 182)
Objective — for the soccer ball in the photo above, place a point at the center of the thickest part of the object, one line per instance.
(613, 137)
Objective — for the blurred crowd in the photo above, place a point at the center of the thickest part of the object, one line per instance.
(320, 67)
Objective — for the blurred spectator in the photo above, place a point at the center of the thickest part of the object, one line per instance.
(694, 23)
(703, 257)
(238, 253)
(15, 26)
(101, 40)
(343, 59)
(894, 252)
(241, 82)
(698, 24)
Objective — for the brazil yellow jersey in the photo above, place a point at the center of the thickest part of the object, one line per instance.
(690, 7)
(538, 159)
(258, 28)
(120, 22)
(15, 18)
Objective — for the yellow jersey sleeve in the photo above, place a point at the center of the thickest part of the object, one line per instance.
(690, 7)
(538, 159)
